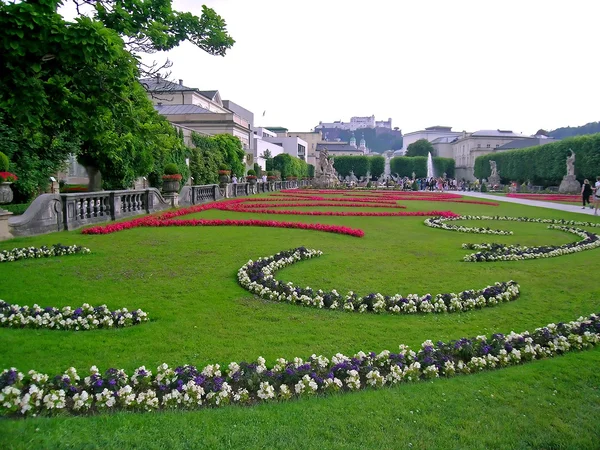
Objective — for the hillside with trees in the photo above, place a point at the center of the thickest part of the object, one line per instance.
(565, 132)
(378, 139)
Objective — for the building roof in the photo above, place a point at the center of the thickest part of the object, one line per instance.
(497, 133)
(524, 143)
(438, 128)
(181, 109)
(444, 140)
(209, 94)
(338, 147)
(162, 85)
(277, 129)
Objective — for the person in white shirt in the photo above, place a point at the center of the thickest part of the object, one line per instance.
(596, 195)
(234, 179)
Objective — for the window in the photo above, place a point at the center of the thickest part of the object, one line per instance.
(488, 146)
(478, 145)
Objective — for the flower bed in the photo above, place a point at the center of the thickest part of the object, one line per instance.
(548, 197)
(188, 387)
(248, 205)
(156, 222)
(257, 277)
(440, 222)
(502, 252)
(42, 252)
(86, 317)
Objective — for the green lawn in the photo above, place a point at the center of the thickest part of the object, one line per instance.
(185, 278)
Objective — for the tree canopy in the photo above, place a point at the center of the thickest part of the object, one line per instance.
(422, 147)
(72, 87)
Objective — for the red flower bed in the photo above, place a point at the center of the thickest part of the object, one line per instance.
(174, 177)
(8, 177)
(325, 203)
(156, 222)
(242, 208)
(548, 197)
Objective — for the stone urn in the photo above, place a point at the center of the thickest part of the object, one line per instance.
(224, 177)
(6, 193)
(251, 179)
(170, 186)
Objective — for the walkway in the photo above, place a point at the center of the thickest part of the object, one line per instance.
(574, 208)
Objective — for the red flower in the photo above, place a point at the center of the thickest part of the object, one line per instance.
(174, 177)
(8, 177)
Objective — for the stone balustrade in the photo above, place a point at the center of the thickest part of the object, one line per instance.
(58, 212)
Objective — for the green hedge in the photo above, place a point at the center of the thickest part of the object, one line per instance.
(377, 165)
(406, 165)
(360, 165)
(290, 166)
(346, 164)
(545, 165)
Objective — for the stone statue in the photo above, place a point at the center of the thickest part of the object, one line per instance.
(494, 169)
(325, 174)
(414, 175)
(571, 163)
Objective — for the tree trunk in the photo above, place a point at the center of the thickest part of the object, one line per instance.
(95, 179)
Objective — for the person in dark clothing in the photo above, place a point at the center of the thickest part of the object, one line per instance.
(586, 192)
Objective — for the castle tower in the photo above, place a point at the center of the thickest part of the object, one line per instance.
(353, 140)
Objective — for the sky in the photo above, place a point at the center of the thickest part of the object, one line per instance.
(484, 64)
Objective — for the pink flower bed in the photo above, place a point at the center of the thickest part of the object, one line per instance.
(548, 197)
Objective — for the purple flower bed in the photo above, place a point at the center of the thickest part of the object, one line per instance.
(189, 387)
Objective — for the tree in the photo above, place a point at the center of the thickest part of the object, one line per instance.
(422, 147)
(71, 87)
(147, 26)
(266, 154)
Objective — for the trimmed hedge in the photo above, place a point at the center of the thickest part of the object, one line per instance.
(377, 165)
(360, 165)
(404, 166)
(290, 166)
(545, 165)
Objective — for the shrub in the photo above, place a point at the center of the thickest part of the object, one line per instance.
(252, 173)
(484, 188)
(415, 185)
(171, 169)
(376, 165)
(3, 162)
(257, 169)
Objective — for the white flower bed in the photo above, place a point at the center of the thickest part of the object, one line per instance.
(258, 278)
(86, 317)
(440, 222)
(188, 387)
(42, 252)
(502, 252)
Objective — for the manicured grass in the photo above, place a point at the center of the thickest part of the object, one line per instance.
(185, 279)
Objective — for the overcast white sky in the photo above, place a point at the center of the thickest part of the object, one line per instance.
(513, 64)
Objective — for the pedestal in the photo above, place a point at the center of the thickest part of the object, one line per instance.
(4, 231)
(569, 185)
(172, 198)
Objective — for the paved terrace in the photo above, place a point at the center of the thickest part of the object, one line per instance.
(573, 208)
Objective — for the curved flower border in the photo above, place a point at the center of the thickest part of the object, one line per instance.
(188, 387)
(41, 252)
(84, 318)
(257, 277)
(502, 252)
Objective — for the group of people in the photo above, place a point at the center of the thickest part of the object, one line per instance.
(587, 192)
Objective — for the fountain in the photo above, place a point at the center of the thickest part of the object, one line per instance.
(430, 173)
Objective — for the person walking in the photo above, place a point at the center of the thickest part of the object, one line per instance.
(586, 192)
(597, 196)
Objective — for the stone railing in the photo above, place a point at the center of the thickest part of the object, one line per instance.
(58, 212)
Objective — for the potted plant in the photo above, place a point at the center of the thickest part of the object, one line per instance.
(6, 179)
(171, 178)
(251, 177)
(271, 176)
(224, 173)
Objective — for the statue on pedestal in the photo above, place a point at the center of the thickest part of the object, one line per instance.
(569, 183)
(325, 174)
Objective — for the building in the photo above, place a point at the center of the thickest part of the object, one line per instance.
(262, 145)
(430, 133)
(356, 123)
(278, 143)
(312, 138)
(469, 146)
(201, 111)
(443, 146)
